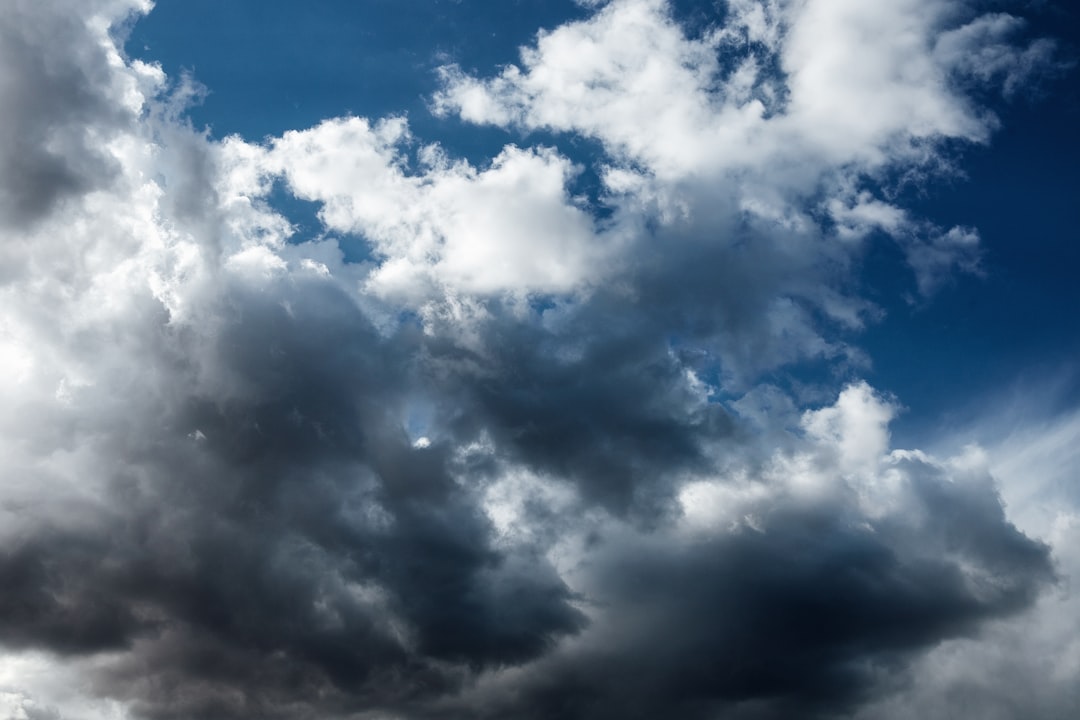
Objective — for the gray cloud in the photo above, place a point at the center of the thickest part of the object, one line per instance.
(59, 102)
(810, 612)
(290, 524)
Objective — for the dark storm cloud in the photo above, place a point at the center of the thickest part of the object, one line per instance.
(608, 407)
(806, 615)
(49, 600)
(603, 392)
(269, 537)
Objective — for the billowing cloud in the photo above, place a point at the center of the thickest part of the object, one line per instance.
(820, 98)
(798, 587)
(1027, 666)
(520, 459)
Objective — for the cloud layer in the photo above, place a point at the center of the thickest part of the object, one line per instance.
(523, 458)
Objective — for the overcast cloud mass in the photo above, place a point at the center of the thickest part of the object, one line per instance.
(580, 435)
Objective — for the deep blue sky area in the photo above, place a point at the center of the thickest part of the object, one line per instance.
(276, 65)
(1018, 325)
(1017, 328)
(279, 65)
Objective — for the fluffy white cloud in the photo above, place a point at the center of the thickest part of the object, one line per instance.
(627, 76)
(824, 94)
(446, 227)
(833, 82)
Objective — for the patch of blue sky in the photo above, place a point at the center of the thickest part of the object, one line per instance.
(280, 65)
(1018, 322)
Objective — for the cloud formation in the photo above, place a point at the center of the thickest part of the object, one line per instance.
(520, 460)
(799, 589)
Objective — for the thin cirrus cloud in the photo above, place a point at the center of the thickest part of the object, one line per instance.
(524, 458)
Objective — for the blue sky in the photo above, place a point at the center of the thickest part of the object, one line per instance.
(588, 359)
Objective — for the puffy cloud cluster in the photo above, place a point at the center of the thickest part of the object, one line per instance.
(796, 588)
(789, 110)
(509, 228)
(517, 461)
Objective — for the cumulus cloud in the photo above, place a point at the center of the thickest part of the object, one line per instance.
(520, 459)
(1026, 666)
(820, 97)
(508, 228)
(801, 586)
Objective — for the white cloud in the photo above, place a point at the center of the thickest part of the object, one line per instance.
(510, 228)
(627, 76)
(863, 87)
(856, 426)
(860, 80)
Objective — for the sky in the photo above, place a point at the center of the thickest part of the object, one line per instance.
(582, 359)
